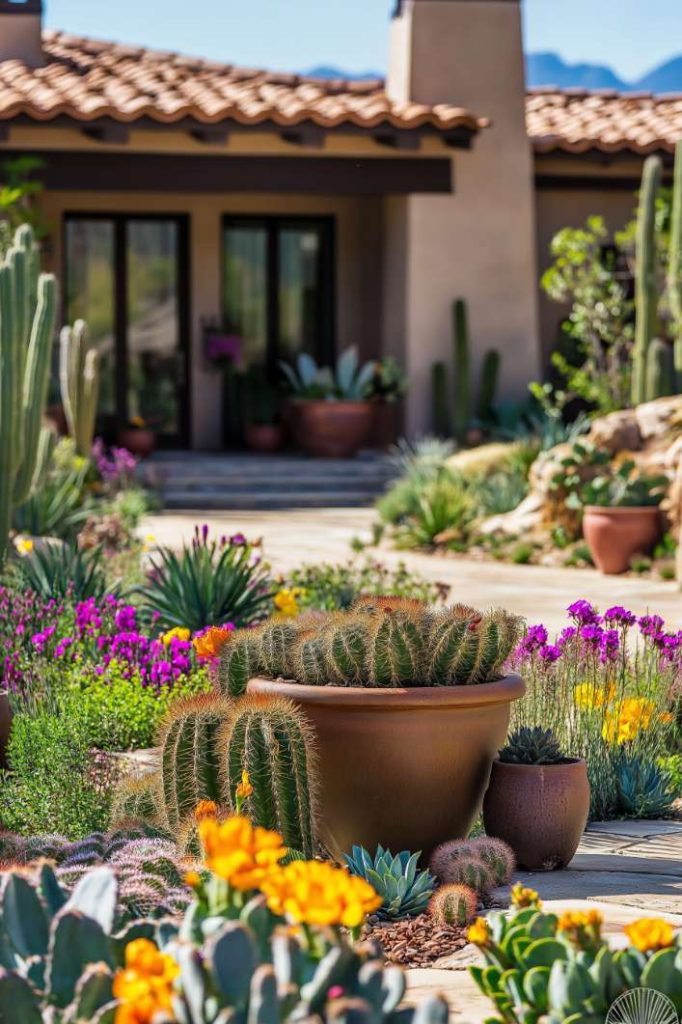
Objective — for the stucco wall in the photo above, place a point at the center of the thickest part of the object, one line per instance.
(358, 268)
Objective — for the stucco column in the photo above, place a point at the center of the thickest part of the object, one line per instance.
(478, 243)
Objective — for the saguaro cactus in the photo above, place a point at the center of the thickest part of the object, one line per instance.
(27, 321)
(675, 266)
(646, 289)
(270, 739)
(79, 383)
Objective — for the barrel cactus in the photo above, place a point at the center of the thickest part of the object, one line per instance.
(240, 660)
(453, 905)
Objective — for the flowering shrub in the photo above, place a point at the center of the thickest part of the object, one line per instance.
(560, 969)
(608, 688)
(115, 466)
(328, 587)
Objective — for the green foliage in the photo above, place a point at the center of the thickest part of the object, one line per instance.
(329, 587)
(382, 642)
(444, 507)
(522, 553)
(209, 583)
(390, 382)
(271, 741)
(532, 745)
(27, 319)
(644, 790)
(405, 889)
(61, 570)
(624, 487)
(540, 969)
(55, 784)
(671, 766)
(57, 506)
(79, 383)
(19, 193)
(347, 381)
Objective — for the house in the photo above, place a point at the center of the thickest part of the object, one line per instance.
(308, 215)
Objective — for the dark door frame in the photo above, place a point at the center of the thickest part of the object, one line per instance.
(119, 219)
(273, 223)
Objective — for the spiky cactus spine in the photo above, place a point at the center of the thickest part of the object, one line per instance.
(135, 798)
(27, 320)
(471, 871)
(462, 406)
(439, 398)
(270, 739)
(190, 763)
(396, 649)
(277, 638)
(646, 290)
(240, 660)
(490, 371)
(79, 384)
(497, 855)
(453, 905)
(465, 647)
(660, 370)
(344, 641)
(675, 267)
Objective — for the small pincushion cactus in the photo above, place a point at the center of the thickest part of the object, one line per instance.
(532, 746)
(498, 856)
(482, 863)
(473, 872)
(453, 905)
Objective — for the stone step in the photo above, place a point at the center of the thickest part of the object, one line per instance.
(192, 501)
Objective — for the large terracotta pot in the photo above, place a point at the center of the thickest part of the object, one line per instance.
(386, 420)
(139, 440)
(406, 768)
(539, 810)
(614, 535)
(263, 437)
(330, 430)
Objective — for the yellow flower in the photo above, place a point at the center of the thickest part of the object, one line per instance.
(319, 893)
(144, 986)
(286, 602)
(650, 933)
(241, 853)
(244, 789)
(208, 644)
(177, 633)
(479, 933)
(582, 927)
(589, 695)
(628, 719)
(23, 545)
(137, 421)
(205, 809)
(522, 897)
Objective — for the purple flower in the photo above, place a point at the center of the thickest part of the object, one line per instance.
(62, 647)
(619, 615)
(238, 540)
(651, 625)
(534, 639)
(592, 635)
(609, 646)
(125, 618)
(567, 634)
(550, 653)
(583, 612)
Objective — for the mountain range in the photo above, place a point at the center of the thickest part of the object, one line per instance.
(551, 69)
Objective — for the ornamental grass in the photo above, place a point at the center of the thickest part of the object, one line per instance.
(609, 688)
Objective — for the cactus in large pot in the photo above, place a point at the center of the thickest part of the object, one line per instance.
(27, 320)
(79, 383)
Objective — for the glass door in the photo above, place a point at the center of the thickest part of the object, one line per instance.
(127, 277)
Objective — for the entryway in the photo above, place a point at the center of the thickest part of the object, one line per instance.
(127, 276)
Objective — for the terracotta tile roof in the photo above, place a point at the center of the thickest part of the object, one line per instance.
(86, 79)
(574, 120)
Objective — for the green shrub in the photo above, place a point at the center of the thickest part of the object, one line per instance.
(640, 564)
(329, 587)
(54, 783)
(445, 507)
(58, 507)
(522, 554)
(60, 570)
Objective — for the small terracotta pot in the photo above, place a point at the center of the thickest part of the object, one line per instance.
(5, 726)
(539, 810)
(406, 768)
(139, 440)
(330, 430)
(614, 535)
(263, 437)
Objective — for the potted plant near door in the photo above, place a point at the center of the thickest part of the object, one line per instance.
(263, 430)
(538, 800)
(387, 390)
(621, 516)
(408, 707)
(138, 437)
(330, 414)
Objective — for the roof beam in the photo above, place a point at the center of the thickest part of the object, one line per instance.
(398, 138)
(308, 134)
(211, 134)
(110, 132)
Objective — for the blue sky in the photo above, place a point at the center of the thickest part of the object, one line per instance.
(632, 36)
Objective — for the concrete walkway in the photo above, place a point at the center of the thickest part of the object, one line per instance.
(625, 869)
(323, 535)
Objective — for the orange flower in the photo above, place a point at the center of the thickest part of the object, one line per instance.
(192, 879)
(145, 985)
(649, 934)
(241, 853)
(205, 809)
(522, 897)
(582, 927)
(318, 893)
(245, 789)
(209, 643)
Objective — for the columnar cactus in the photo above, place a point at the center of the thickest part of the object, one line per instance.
(79, 383)
(190, 761)
(490, 371)
(439, 396)
(659, 369)
(675, 266)
(453, 905)
(27, 320)
(271, 740)
(462, 406)
(646, 285)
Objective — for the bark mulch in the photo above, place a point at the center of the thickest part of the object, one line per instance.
(416, 941)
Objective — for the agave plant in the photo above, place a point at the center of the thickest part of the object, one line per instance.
(405, 889)
(645, 790)
(348, 380)
(56, 570)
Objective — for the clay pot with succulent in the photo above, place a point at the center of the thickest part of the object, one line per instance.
(408, 706)
(538, 800)
(330, 414)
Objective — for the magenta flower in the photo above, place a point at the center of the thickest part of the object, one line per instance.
(584, 613)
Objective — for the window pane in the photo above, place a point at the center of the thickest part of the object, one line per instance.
(300, 324)
(90, 295)
(153, 335)
(245, 290)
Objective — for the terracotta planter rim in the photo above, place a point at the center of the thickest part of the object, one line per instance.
(620, 509)
(570, 762)
(502, 691)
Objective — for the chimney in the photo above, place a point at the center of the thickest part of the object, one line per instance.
(21, 23)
